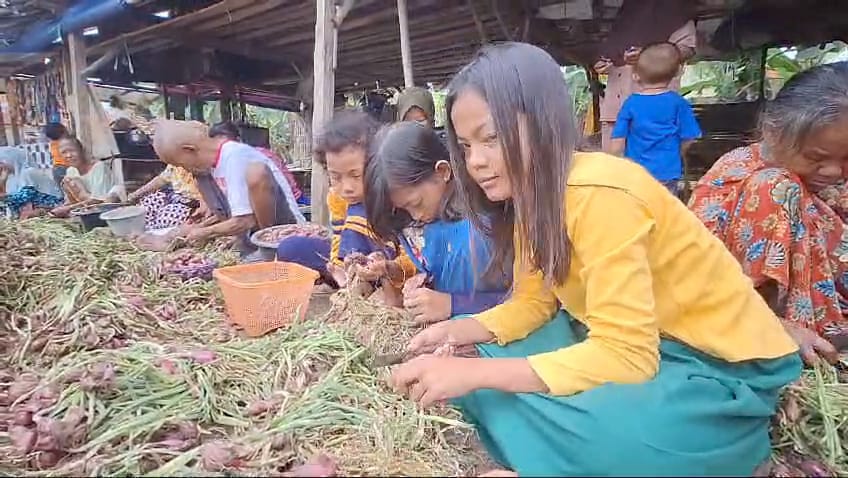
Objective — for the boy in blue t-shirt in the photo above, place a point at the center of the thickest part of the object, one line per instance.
(656, 125)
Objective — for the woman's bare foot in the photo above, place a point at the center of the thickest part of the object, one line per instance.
(30, 212)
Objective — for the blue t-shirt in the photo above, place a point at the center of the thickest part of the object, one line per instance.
(654, 127)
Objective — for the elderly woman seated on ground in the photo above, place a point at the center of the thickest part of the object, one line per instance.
(27, 191)
(243, 189)
(781, 207)
(170, 199)
(87, 180)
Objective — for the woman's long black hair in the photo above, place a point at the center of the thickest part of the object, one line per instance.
(531, 110)
(402, 154)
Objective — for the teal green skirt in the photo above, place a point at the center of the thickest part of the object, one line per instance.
(699, 416)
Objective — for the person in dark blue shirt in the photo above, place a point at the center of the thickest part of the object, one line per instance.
(656, 125)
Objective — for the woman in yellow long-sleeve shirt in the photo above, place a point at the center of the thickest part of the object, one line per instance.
(633, 344)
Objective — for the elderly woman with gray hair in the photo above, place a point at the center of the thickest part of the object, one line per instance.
(781, 207)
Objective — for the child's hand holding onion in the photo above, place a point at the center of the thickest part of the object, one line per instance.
(372, 268)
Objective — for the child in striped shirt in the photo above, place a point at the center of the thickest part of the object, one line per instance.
(342, 149)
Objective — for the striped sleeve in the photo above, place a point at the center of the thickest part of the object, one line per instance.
(338, 212)
(356, 236)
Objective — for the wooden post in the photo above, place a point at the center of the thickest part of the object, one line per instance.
(166, 99)
(226, 109)
(763, 73)
(176, 108)
(3, 140)
(195, 109)
(14, 110)
(323, 95)
(226, 103)
(80, 102)
(405, 49)
(242, 110)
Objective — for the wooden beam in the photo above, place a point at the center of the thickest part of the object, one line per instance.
(405, 50)
(478, 23)
(323, 94)
(342, 12)
(79, 97)
(222, 7)
(239, 15)
(102, 61)
(247, 50)
(364, 21)
(421, 29)
(299, 18)
(53, 6)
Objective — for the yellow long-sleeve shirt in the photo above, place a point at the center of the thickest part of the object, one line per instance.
(642, 267)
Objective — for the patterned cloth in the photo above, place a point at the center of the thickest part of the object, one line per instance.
(166, 209)
(780, 231)
(30, 195)
(181, 181)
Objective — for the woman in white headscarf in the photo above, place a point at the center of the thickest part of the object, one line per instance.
(28, 191)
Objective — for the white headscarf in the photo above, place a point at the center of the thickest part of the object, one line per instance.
(16, 160)
(23, 175)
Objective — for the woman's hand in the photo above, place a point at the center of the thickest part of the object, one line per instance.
(63, 211)
(74, 189)
(456, 332)
(427, 306)
(812, 346)
(197, 235)
(135, 196)
(428, 379)
(201, 212)
(373, 271)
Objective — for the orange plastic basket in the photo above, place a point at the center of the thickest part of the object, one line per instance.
(265, 296)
